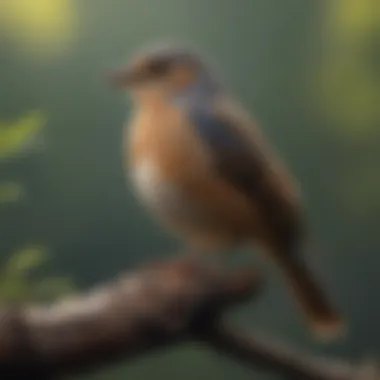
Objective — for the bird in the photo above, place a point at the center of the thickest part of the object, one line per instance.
(204, 168)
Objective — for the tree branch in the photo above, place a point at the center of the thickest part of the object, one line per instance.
(153, 307)
(267, 354)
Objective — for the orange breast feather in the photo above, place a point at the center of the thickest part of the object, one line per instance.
(176, 174)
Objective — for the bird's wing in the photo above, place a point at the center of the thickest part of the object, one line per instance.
(236, 156)
(242, 158)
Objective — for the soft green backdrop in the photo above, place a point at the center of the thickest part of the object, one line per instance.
(309, 70)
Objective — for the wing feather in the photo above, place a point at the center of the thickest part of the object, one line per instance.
(242, 157)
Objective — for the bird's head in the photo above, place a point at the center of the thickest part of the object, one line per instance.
(165, 71)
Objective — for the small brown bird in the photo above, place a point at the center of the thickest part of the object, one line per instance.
(204, 169)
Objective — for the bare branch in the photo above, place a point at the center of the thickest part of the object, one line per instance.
(151, 308)
(267, 354)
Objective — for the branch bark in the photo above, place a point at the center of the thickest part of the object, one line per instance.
(153, 307)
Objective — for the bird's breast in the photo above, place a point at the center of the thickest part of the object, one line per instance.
(147, 180)
(165, 197)
(164, 156)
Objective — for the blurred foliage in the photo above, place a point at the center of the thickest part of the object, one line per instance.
(349, 85)
(38, 26)
(18, 284)
(18, 279)
(354, 20)
(348, 82)
(17, 136)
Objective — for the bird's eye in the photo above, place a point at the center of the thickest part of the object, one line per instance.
(158, 67)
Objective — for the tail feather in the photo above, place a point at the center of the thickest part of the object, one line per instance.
(325, 321)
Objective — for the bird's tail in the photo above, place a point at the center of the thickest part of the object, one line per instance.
(323, 318)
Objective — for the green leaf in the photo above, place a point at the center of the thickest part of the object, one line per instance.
(13, 289)
(15, 283)
(24, 261)
(17, 135)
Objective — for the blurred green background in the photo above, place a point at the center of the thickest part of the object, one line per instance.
(308, 70)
